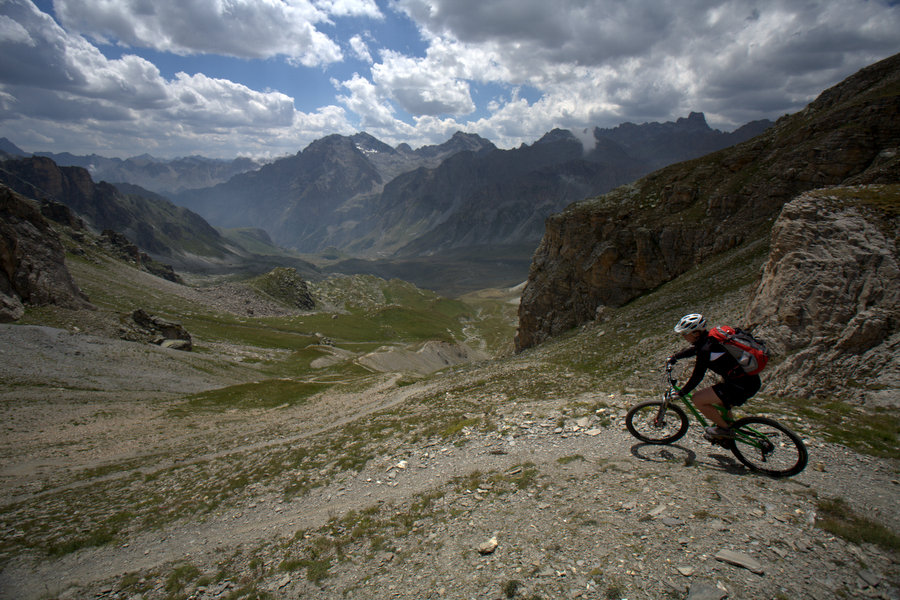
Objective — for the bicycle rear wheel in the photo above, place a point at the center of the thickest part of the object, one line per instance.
(767, 446)
(649, 423)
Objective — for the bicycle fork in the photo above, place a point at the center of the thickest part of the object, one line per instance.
(660, 418)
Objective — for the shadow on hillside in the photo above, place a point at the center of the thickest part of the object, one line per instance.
(679, 455)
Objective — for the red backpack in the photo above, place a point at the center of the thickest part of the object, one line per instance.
(750, 353)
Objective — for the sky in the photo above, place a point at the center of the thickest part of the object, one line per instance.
(264, 78)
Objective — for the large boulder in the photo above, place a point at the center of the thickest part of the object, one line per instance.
(32, 260)
(162, 332)
(828, 303)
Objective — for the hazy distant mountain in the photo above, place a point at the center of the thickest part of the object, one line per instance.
(495, 198)
(361, 196)
(661, 144)
(308, 200)
(155, 174)
(502, 198)
(463, 200)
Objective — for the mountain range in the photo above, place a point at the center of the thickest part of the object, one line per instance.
(456, 216)
(166, 232)
(368, 199)
(157, 175)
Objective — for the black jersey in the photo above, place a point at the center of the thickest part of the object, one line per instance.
(712, 355)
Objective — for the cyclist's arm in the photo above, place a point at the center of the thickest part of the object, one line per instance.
(686, 353)
(700, 367)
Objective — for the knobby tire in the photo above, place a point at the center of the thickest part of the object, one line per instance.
(783, 454)
(645, 422)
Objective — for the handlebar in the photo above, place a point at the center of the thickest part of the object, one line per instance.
(673, 381)
(670, 366)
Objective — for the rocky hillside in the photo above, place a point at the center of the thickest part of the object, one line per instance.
(153, 223)
(32, 260)
(829, 299)
(158, 228)
(124, 478)
(609, 250)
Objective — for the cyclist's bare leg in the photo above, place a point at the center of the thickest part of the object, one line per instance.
(706, 402)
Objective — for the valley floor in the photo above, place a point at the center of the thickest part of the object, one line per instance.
(397, 491)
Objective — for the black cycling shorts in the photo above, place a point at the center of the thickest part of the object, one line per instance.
(736, 391)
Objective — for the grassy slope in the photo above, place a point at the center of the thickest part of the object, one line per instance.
(358, 314)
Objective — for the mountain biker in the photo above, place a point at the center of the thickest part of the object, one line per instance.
(735, 388)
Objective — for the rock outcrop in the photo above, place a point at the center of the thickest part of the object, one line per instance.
(162, 332)
(286, 286)
(828, 303)
(120, 246)
(609, 250)
(32, 261)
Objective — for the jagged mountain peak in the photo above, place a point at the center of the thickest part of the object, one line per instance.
(459, 142)
(557, 135)
(367, 143)
(143, 158)
(695, 120)
(468, 141)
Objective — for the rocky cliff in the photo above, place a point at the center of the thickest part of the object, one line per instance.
(32, 260)
(828, 303)
(609, 250)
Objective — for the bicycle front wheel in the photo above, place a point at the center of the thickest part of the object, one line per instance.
(768, 447)
(654, 423)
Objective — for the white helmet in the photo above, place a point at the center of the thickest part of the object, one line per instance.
(689, 323)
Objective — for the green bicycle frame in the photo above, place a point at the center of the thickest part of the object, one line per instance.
(693, 409)
(754, 439)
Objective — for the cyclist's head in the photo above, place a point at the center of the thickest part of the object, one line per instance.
(691, 323)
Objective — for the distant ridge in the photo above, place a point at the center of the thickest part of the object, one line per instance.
(168, 233)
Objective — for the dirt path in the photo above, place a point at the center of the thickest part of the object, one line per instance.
(600, 504)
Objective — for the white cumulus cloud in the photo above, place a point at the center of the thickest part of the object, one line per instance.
(57, 81)
(241, 28)
(361, 49)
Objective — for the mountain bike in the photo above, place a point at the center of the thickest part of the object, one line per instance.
(762, 444)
